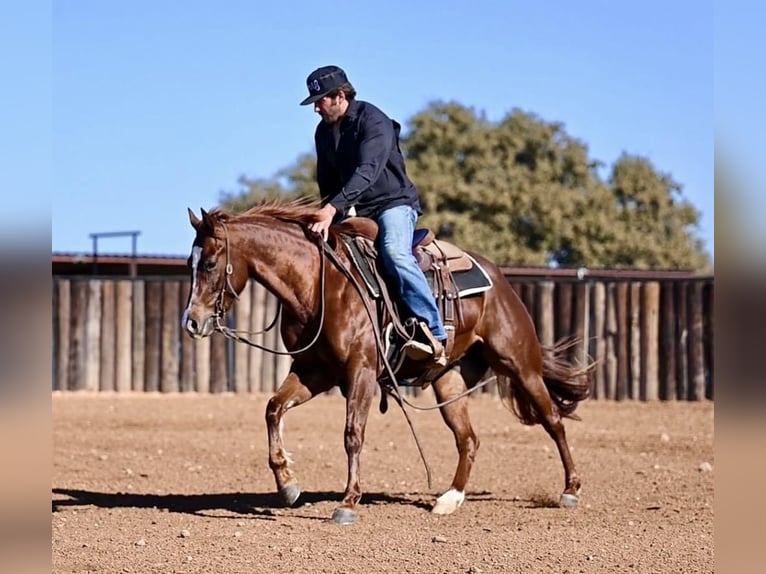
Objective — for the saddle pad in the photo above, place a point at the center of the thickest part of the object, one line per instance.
(474, 280)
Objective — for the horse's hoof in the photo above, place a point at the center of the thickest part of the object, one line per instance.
(290, 493)
(448, 502)
(568, 500)
(343, 516)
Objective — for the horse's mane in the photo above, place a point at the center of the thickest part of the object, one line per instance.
(302, 211)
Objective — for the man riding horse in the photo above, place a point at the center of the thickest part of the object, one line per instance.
(360, 171)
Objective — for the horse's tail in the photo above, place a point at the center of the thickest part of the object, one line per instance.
(568, 383)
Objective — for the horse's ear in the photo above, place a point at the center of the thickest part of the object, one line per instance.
(193, 219)
(206, 219)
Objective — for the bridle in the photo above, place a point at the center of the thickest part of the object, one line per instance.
(237, 335)
(227, 286)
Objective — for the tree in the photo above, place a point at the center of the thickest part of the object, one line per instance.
(654, 223)
(522, 191)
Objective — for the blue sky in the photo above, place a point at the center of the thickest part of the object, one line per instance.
(158, 106)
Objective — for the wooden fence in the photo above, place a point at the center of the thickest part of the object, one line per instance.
(651, 339)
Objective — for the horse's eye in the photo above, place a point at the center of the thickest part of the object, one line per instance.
(209, 264)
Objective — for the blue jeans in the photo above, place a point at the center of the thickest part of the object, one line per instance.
(396, 227)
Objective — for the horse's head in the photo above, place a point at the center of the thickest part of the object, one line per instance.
(218, 275)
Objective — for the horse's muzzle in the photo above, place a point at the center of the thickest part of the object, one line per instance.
(198, 329)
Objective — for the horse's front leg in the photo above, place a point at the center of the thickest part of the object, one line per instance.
(358, 401)
(294, 390)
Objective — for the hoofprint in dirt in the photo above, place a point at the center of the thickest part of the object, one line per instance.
(180, 483)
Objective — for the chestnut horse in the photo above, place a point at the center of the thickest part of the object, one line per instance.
(326, 321)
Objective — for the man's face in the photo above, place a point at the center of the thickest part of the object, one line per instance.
(330, 109)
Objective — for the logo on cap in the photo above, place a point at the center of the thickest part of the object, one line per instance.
(323, 81)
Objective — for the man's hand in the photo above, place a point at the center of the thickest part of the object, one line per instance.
(323, 219)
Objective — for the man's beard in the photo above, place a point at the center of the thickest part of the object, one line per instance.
(332, 115)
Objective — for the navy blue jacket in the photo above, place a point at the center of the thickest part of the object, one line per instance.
(367, 170)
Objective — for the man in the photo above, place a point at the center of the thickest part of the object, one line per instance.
(360, 170)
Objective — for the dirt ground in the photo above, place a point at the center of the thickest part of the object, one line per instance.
(181, 484)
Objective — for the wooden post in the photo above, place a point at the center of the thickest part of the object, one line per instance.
(139, 335)
(242, 309)
(108, 313)
(621, 300)
(598, 311)
(682, 335)
(667, 368)
(563, 310)
(77, 347)
(696, 343)
(650, 380)
(256, 382)
(612, 346)
(708, 336)
(187, 374)
(54, 335)
(153, 335)
(63, 325)
(124, 336)
(635, 340)
(545, 324)
(93, 336)
(171, 315)
(580, 320)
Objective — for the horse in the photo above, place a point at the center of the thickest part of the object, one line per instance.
(333, 339)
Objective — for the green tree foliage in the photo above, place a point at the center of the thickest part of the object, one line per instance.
(522, 191)
(653, 220)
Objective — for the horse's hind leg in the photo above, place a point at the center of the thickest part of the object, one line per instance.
(455, 415)
(512, 349)
(554, 426)
(293, 392)
(534, 392)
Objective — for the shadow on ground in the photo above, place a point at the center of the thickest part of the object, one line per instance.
(262, 505)
(257, 505)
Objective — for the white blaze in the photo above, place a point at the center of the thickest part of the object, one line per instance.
(196, 255)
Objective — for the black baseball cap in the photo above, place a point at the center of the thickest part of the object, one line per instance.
(322, 81)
